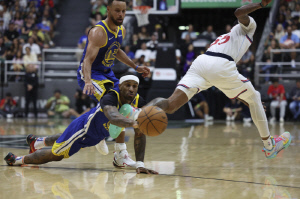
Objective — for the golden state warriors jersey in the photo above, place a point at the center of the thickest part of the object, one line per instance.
(107, 52)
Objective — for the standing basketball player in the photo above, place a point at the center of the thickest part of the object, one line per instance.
(217, 67)
(94, 74)
(89, 129)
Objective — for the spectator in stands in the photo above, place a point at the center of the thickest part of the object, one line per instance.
(2, 50)
(143, 51)
(190, 32)
(152, 44)
(33, 46)
(295, 30)
(31, 89)
(49, 21)
(295, 104)
(281, 20)
(28, 26)
(8, 106)
(290, 41)
(201, 107)
(6, 16)
(30, 58)
(82, 104)
(232, 109)
(276, 92)
(10, 34)
(81, 43)
(15, 46)
(17, 65)
(99, 7)
(96, 19)
(296, 12)
(38, 36)
(279, 32)
(209, 33)
(2, 29)
(135, 43)
(246, 63)
(47, 2)
(141, 61)
(159, 33)
(267, 58)
(144, 35)
(128, 52)
(189, 58)
(228, 28)
(45, 28)
(58, 105)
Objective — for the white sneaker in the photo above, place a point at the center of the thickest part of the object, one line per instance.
(122, 160)
(272, 120)
(232, 118)
(102, 147)
(208, 118)
(281, 120)
(247, 120)
(228, 118)
(293, 64)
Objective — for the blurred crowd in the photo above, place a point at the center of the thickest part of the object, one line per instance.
(285, 35)
(26, 27)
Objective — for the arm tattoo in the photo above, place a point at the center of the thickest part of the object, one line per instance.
(41, 157)
(139, 145)
(112, 113)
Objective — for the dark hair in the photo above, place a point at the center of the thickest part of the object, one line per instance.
(8, 94)
(57, 91)
(275, 79)
(111, 1)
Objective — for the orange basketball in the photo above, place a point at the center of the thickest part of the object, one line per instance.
(152, 121)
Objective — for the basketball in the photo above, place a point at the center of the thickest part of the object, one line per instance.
(152, 121)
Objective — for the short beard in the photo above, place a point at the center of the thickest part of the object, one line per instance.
(116, 22)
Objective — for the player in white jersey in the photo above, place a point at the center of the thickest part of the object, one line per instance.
(217, 67)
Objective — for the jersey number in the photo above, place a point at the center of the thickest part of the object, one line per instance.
(221, 40)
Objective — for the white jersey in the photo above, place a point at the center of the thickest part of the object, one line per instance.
(236, 42)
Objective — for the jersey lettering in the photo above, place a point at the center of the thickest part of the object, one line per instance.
(221, 40)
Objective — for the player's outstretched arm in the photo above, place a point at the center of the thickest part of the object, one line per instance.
(97, 38)
(113, 115)
(242, 12)
(139, 148)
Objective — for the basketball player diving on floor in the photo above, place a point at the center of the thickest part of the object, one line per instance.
(94, 74)
(89, 129)
(217, 67)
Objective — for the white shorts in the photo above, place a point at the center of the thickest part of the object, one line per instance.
(207, 71)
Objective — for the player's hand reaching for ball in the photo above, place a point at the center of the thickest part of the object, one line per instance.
(89, 88)
(145, 170)
(265, 2)
(143, 69)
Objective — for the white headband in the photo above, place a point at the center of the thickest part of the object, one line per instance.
(129, 77)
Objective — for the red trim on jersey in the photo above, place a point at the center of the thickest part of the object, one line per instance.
(183, 85)
(247, 80)
(239, 94)
(249, 39)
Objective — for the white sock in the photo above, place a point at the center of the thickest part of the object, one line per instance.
(19, 160)
(268, 143)
(120, 146)
(39, 143)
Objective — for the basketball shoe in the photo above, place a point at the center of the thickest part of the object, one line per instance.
(13, 160)
(102, 147)
(279, 143)
(122, 159)
(30, 141)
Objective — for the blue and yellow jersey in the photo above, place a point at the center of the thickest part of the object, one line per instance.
(107, 52)
(87, 130)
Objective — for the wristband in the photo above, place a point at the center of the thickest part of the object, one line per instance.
(262, 5)
(136, 67)
(139, 164)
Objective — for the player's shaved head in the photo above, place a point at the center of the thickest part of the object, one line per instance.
(111, 1)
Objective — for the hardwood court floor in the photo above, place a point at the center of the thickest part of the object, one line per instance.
(194, 161)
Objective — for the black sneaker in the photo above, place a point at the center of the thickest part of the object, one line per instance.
(30, 141)
(10, 159)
